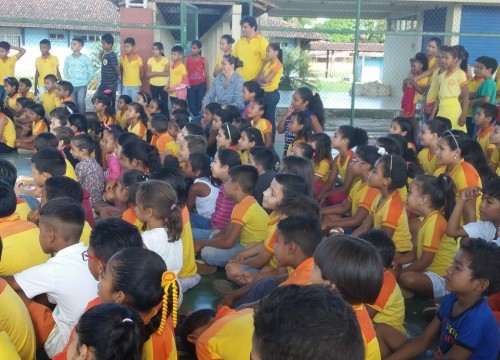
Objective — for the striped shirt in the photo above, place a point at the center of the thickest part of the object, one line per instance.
(230, 94)
(108, 63)
(223, 209)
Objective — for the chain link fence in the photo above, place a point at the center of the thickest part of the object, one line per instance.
(356, 57)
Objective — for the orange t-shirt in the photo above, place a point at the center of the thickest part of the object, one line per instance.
(301, 275)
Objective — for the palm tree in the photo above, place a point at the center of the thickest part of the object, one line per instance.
(296, 71)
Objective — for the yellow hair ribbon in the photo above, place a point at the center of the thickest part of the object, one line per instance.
(168, 280)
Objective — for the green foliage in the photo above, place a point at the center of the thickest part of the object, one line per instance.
(95, 55)
(296, 71)
(349, 24)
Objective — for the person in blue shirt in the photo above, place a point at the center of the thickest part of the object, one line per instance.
(464, 325)
(79, 72)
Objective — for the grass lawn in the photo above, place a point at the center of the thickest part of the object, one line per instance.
(334, 86)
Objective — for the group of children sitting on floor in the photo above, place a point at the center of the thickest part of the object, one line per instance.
(171, 196)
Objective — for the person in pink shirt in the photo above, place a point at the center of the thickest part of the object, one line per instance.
(197, 68)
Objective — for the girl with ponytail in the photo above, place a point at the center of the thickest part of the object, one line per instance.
(107, 332)
(139, 280)
(432, 198)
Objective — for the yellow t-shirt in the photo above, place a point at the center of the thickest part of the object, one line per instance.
(70, 171)
(39, 127)
(21, 246)
(432, 94)
(189, 267)
(252, 53)
(228, 338)
(277, 67)
(432, 238)
(46, 66)
(166, 142)
(9, 131)
(16, 327)
(263, 125)
(450, 84)
(372, 348)
(7, 67)
(85, 237)
(323, 170)
(342, 166)
(253, 219)
(243, 157)
(50, 101)
(390, 304)
(271, 238)
(31, 96)
(22, 209)
(483, 138)
(11, 100)
(361, 195)
(392, 214)
(423, 83)
(473, 85)
(495, 160)
(158, 66)
(177, 73)
(131, 70)
(139, 129)
(427, 161)
(464, 175)
(121, 118)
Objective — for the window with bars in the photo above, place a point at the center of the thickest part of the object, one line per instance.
(56, 35)
(407, 23)
(11, 39)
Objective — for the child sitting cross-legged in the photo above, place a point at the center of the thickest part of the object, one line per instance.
(64, 278)
(248, 222)
(464, 326)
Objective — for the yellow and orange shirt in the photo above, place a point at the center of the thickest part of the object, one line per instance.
(21, 245)
(342, 166)
(300, 275)
(107, 120)
(362, 196)
(130, 216)
(372, 348)
(432, 238)
(253, 219)
(39, 127)
(390, 304)
(483, 138)
(189, 267)
(22, 209)
(392, 213)
(121, 118)
(139, 129)
(464, 175)
(263, 125)
(167, 143)
(11, 100)
(323, 170)
(228, 338)
(9, 131)
(428, 161)
(271, 238)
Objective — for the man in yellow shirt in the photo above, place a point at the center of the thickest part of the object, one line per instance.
(251, 49)
(132, 69)
(45, 65)
(8, 63)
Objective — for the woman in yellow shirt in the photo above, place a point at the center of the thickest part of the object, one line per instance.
(158, 71)
(269, 78)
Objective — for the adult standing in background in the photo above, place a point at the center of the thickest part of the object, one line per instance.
(250, 49)
(79, 72)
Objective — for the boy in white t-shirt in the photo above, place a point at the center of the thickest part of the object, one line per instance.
(489, 226)
(64, 279)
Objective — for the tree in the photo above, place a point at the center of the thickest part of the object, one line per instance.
(296, 71)
(348, 25)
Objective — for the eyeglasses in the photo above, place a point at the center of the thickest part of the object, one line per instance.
(87, 257)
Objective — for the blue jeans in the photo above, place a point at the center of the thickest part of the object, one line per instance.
(271, 99)
(131, 91)
(220, 257)
(195, 96)
(79, 94)
(200, 222)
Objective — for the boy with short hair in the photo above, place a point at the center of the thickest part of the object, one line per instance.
(248, 224)
(263, 160)
(110, 69)
(178, 81)
(24, 89)
(64, 89)
(20, 238)
(78, 71)
(485, 118)
(389, 308)
(464, 326)
(166, 132)
(58, 117)
(328, 326)
(45, 65)
(8, 173)
(65, 277)
(484, 68)
(8, 63)
(132, 69)
(49, 98)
